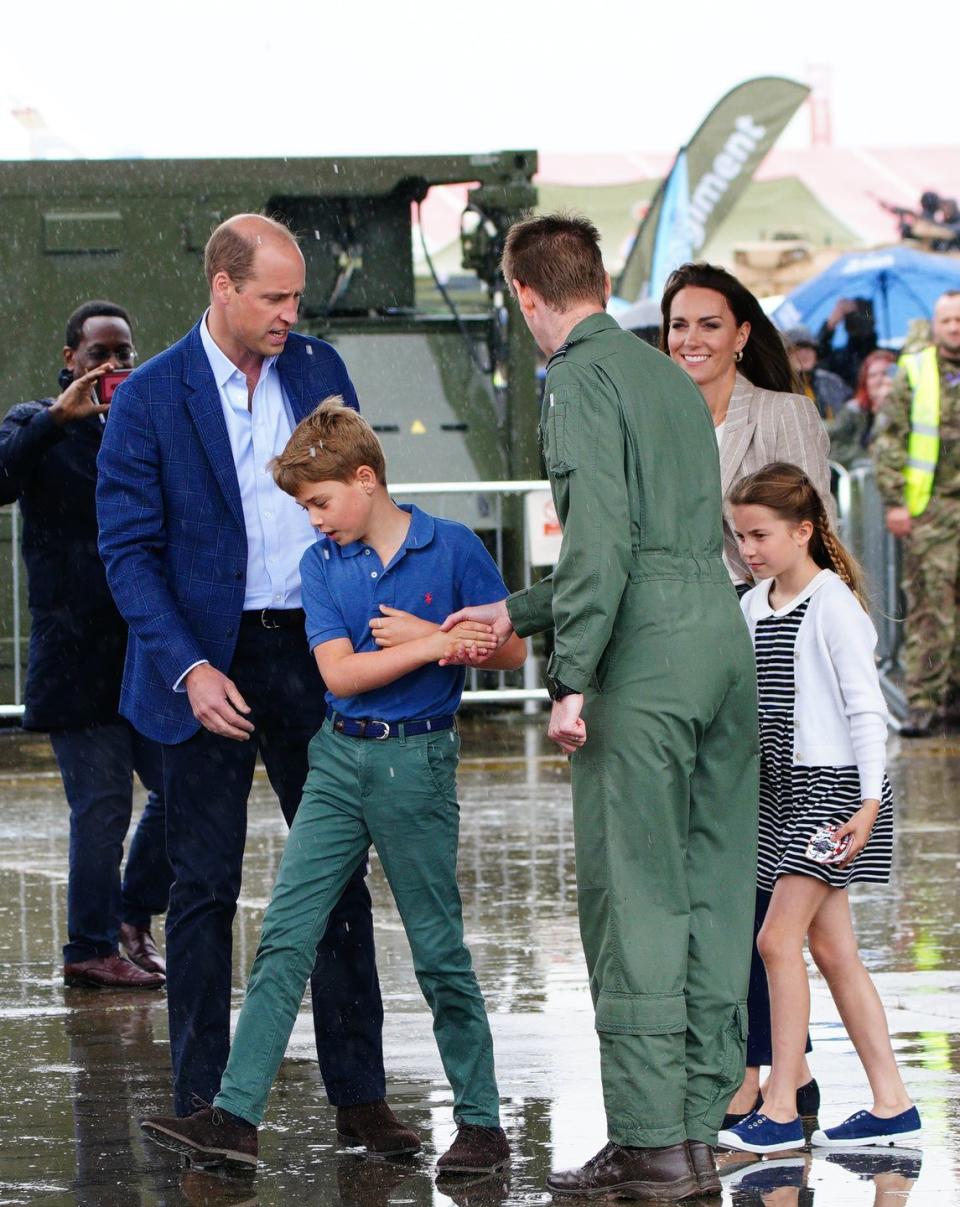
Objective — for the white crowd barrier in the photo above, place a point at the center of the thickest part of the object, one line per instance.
(862, 527)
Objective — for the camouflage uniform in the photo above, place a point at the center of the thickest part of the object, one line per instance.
(931, 580)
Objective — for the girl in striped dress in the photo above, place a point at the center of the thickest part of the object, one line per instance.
(826, 809)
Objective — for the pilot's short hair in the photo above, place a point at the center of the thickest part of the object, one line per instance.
(558, 255)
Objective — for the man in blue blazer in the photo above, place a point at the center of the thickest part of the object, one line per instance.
(202, 552)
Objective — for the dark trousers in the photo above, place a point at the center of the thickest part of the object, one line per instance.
(97, 765)
(207, 781)
(759, 1038)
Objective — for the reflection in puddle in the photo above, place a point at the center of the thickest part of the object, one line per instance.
(80, 1066)
(791, 1178)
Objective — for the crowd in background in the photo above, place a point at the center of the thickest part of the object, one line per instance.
(203, 642)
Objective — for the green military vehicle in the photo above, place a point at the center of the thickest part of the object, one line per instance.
(444, 370)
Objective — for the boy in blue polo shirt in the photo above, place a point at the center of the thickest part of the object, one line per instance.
(382, 772)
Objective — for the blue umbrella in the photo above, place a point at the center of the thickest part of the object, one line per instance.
(902, 284)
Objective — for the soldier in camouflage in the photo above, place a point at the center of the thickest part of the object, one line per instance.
(918, 475)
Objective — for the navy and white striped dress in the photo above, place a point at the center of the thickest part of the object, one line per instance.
(795, 801)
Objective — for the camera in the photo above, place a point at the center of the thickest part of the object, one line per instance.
(107, 385)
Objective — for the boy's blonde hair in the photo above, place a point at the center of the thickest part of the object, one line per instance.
(329, 445)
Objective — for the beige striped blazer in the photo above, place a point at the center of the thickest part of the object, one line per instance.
(764, 426)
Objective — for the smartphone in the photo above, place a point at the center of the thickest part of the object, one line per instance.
(823, 846)
(859, 322)
(107, 385)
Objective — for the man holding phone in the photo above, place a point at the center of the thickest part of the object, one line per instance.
(856, 315)
(48, 462)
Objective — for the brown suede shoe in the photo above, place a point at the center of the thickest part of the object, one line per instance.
(376, 1127)
(137, 942)
(110, 972)
(474, 1190)
(202, 1189)
(704, 1167)
(636, 1173)
(209, 1137)
(475, 1150)
(362, 1182)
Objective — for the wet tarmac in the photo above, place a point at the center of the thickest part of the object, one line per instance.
(78, 1067)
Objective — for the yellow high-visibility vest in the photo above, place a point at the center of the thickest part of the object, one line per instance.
(923, 447)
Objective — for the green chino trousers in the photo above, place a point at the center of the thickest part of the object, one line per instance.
(400, 795)
(665, 798)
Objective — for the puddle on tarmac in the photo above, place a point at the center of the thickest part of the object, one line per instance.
(78, 1068)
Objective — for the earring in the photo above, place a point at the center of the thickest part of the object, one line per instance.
(738, 355)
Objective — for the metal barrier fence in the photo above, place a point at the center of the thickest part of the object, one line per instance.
(12, 641)
(14, 629)
(863, 530)
(862, 527)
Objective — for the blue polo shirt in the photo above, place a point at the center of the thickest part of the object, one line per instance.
(441, 567)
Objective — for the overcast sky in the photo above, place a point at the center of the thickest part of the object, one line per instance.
(366, 77)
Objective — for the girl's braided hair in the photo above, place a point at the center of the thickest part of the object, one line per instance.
(787, 490)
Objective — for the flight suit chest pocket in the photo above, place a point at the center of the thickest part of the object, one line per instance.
(560, 430)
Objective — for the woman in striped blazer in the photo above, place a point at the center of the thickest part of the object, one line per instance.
(715, 329)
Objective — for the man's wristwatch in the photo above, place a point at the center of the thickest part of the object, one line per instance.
(557, 690)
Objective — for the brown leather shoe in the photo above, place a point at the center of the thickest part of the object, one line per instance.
(374, 1126)
(704, 1167)
(110, 972)
(137, 942)
(636, 1173)
(475, 1150)
(209, 1137)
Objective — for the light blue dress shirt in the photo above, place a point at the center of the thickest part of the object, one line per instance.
(278, 531)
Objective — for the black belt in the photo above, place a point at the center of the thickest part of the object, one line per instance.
(274, 618)
(380, 730)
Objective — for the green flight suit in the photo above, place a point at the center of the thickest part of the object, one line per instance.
(647, 625)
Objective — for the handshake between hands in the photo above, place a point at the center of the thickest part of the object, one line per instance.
(469, 637)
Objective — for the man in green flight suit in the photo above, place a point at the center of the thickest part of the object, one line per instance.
(654, 691)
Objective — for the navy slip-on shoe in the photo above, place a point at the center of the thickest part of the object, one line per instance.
(758, 1134)
(864, 1129)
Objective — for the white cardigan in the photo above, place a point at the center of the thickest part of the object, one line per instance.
(840, 713)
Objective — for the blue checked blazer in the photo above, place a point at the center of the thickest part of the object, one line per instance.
(172, 533)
